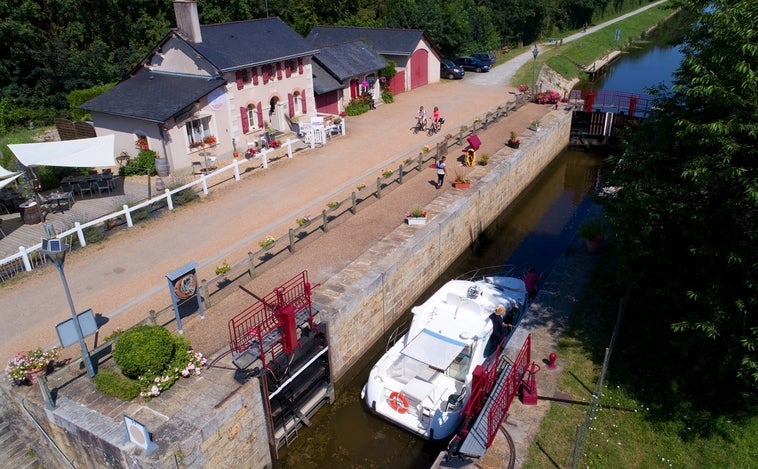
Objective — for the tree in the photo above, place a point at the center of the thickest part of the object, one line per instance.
(686, 213)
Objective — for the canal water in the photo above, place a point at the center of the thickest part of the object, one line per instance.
(533, 232)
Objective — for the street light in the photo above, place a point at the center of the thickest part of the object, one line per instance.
(55, 249)
(535, 51)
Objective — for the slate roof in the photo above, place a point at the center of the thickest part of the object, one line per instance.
(387, 41)
(323, 81)
(153, 96)
(244, 44)
(349, 59)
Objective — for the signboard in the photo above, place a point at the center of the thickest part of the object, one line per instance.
(138, 434)
(67, 329)
(183, 287)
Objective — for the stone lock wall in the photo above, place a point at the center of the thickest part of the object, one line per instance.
(362, 301)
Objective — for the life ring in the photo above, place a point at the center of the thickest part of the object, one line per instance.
(470, 158)
(398, 402)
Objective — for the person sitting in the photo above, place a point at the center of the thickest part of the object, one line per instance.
(421, 118)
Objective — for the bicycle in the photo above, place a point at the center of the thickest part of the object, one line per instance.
(434, 128)
(419, 127)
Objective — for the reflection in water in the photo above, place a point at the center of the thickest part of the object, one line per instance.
(534, 232)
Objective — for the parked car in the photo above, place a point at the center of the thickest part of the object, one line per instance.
(486, 57)
(470, 63)
(450, 71)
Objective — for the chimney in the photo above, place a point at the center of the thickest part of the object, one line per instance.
(187, 21)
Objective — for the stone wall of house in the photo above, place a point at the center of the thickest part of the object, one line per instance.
(365, 299)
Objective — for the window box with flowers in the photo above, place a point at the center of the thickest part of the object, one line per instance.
(25, 367)
(142, 143)
(461, 181)
(416, 217)
(210, 140)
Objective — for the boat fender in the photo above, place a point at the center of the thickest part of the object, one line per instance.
(398, 402)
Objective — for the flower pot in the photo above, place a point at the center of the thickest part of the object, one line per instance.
(514, 144)
(33, 375)
(416, 220)
(236, 154)
(461, 185)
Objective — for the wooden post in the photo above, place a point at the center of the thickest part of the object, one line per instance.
(379, 188)
(325, 221)
(204, 293)
(400, 174)
(354, 206)
(251, 263)
(292, 240)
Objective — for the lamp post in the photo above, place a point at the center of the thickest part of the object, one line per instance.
(55, 249)
(535, 51)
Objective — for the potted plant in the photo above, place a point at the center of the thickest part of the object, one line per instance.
(210, 140)
(304, 220)
(416, 217)
(484, 160)
(536, 125)
(267, 242)
(461, 181)
(593, 232)
(223, 268)
(514, 141)
(25, 367)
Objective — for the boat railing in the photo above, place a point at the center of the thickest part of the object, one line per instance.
(399, 332)
(506, 270)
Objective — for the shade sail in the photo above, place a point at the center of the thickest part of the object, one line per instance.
(434, 349)
(4, 173)
(6, 181)
(80, 153)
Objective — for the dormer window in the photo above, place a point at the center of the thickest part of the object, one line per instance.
(271, 70)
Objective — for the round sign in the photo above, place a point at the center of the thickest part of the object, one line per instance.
(185, 286)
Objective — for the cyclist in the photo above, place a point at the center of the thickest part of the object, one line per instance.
(436, 119)
(421, 118)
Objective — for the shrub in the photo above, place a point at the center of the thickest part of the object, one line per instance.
(144, 162)
(112, 383)
(143, 349)
(388, 97)
(140, 214)
(184, 196)
(357, 106)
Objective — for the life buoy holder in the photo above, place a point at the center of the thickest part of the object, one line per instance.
(470, 158)
(398, 402)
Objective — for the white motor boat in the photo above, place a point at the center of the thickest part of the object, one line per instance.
(421, 382)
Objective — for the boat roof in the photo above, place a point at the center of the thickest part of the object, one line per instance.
(434, 349)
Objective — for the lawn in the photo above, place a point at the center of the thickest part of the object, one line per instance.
(635, 426)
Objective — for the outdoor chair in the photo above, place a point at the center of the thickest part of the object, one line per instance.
(83, 187)
(197, 168)
(103, 186)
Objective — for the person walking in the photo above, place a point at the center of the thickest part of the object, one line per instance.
(441, 171)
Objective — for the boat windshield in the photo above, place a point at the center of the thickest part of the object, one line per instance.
(436, 350)
(459, 368)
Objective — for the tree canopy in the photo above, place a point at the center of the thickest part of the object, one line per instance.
(686, 213)
(55, 47)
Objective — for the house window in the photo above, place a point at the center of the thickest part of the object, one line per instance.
(290, 67)
(247, 75)
(271, 69)
(297, 104)
(252, 116)
(142, 143)
(199, 132)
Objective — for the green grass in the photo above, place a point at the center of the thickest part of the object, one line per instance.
(564, 59)
(632, 428)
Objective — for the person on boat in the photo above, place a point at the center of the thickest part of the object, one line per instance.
(530, 281)
(499, 330)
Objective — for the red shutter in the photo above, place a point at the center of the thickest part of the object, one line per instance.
(287, 69)
(264, 69)
(278, 70)
(260, 115)
(255, 75)
(245, 122)
(291, 104)
(300, 65)
(302, 98)
(240, 77)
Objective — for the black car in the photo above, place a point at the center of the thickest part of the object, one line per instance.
(486, 57)
(450, 71)
(470, 63)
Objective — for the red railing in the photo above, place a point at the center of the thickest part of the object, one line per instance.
(506, 393)
(262, 324)
(616, 101)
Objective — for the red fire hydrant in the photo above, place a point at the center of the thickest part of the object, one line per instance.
(551, 360)
(529, 386)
